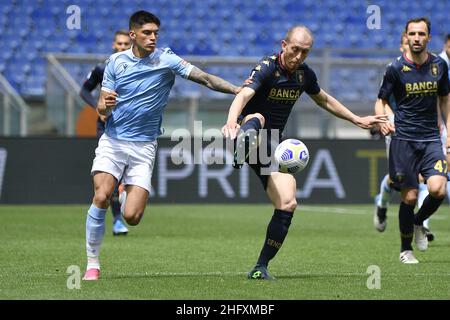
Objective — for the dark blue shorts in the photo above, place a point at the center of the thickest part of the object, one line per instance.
(409, 158)
(261, 168)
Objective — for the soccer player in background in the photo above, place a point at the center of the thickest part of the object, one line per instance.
(445, 54)
(135, 91)
(418, 80)
(266, 103)
(121, 43)
(382, 199)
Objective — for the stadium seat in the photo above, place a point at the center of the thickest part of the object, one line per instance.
(209, 27)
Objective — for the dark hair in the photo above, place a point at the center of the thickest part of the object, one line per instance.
(121, 32)
(447, 37)
(140, 18)
(403, 36)
(415, 20)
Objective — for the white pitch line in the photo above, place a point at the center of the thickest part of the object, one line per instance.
(352, 211)
(227, 274)
(332, 210)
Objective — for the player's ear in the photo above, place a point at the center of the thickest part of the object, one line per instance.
(283, 44)
(132, 35)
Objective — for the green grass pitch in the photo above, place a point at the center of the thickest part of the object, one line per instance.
(204, 252)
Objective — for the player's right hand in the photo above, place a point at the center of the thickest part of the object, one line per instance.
(386, 128)
(110, 100)
(230, 130)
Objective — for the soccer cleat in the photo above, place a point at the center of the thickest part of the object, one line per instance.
(91, 274)
(420, 238)
(244, 143)
(379, 216)
(260, 273)
(119, 228)
(407, 257)
(429, 234)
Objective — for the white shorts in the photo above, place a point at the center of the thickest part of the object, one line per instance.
(388, 138)
(127, 160)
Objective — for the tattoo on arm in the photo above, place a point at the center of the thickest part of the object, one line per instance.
(211, 81)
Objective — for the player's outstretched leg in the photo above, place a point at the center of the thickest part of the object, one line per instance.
(276, 232)
(119, 227)
(95, 230)
(381, 204)
(423, 193)
(281, 190)
(133, 201)
(95, 222)
(247, 139)
(406, 224)
(436, 188)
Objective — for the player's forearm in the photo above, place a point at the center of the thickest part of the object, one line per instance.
(218, 84)
(236, 108)
(333, 106)
(382, 107)
(88, 97)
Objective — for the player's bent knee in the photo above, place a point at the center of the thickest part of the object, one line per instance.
(101, 198)
(289, 205)
(438, 193)
(410, 200)
(133, 220)
(260, 117)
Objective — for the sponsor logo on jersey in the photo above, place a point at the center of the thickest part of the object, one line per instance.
(290, 95)
(420, 88)
(434, 69)
(406, 68)
(300, 76)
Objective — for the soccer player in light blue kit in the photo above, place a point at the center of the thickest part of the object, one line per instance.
(135, 89)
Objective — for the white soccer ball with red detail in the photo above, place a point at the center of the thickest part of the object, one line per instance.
(292, 156)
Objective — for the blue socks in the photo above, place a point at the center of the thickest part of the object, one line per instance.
(385, 193)
(115, 205)
(95, 230)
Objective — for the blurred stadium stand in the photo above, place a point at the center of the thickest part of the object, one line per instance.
(30, 29)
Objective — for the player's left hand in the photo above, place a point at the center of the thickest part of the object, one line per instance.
(369, 121)
(230, 130)
(103, 118)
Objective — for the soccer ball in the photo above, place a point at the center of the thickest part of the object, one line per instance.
(292, 156)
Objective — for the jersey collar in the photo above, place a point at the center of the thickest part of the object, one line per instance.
(417, 66)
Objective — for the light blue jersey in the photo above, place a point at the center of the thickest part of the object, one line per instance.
(143, 86)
